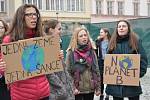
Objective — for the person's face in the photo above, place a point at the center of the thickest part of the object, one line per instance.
(2, 29)
(31, 17)
(122, 28)
(82, 37)
(103, 34)
(57, 29)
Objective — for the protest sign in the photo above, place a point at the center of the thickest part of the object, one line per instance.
(122, 69)
(31, 57)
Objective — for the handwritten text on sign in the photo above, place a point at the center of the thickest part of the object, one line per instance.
(31, 57)
(122, 69)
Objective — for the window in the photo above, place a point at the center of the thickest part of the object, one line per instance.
(61, 4)
(81, 5)
(75, 5)
(30, 1)
(2, 5)
(37, 3)
(52, 5)
(55, 5)
(110, 7)
(47, 5)
(98, 7)
(58, 5)
(148, 7)
(136, 8)
(68, 5)
(120, 7)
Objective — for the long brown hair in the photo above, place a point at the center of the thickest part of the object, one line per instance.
(133, 38)
(106, 31)
(18, 27)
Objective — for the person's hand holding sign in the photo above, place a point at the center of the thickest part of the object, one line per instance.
(61, 55)
(2, 67)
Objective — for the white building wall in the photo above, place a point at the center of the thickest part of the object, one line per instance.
(128, 8)
(104, 5)
(115, 10)
(143, 8)
(93, 7)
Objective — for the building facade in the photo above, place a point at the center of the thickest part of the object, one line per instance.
(64, 10)
(112, 10)
(81, 11)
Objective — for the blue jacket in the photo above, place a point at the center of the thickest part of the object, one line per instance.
(122, 90)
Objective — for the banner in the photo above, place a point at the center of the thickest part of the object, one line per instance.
(31, 57)
(122, 69)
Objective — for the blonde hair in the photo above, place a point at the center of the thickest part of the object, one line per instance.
(73, 42)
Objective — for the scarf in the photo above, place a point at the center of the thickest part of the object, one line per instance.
(83, 57)
(123, 38)
(29, 33)
(83, 54)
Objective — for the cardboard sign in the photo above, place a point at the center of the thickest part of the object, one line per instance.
(31, 57)
(122, 69)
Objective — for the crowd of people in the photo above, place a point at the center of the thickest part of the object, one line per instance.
(83, 68)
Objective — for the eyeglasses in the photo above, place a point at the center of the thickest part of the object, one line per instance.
(32, 14)
(1, 27)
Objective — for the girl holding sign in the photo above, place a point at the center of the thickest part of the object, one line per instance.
(102, 46)
(27, 24)
(60, 82)
(82, 65)
(125, 41)
(4, 93)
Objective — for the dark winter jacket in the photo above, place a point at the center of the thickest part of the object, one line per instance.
(4, 92)
(99, 55)
(122, 90)
(99, 52)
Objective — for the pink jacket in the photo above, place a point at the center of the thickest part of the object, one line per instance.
(30, 89)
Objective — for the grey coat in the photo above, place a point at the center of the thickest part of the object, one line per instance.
(61, 86)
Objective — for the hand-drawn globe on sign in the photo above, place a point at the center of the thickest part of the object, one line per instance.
(125, 62)
(31, 57)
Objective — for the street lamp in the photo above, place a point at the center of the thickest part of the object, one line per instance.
(57, 15)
